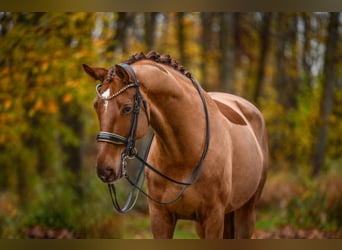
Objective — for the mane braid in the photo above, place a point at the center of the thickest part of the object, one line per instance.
(111, 74)
(159, 58)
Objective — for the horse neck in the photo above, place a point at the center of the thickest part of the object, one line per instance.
(176, 112)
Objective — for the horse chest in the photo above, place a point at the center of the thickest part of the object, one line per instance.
(186, 208)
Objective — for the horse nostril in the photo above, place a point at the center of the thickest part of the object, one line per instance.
(106, 174)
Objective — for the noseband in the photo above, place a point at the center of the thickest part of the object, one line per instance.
(130, 151)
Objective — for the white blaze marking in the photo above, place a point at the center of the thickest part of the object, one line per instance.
(106, 94)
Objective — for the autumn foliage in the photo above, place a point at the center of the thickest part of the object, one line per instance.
(288, 64)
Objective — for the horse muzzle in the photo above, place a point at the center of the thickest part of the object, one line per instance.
(109, 174)
(106, 175)
(109, 169)
(109, 162)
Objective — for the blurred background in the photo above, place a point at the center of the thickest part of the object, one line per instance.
(287, 64)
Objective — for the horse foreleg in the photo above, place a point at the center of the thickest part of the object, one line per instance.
(199, 229)
(162, 225)
(212, 227)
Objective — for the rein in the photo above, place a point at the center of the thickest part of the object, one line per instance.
(131, 152)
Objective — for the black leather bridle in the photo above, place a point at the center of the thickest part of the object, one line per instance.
(130, 151)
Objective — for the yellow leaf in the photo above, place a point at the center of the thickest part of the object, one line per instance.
(67, 98)
(3, 118)
(45, 66)
(333, 119)
(38, 105)
(51, 108)
(7, 104)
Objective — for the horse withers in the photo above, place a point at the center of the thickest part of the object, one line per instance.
(208, 158)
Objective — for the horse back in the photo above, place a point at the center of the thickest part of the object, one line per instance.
(240, 111)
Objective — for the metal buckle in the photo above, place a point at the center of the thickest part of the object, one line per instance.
(132, 153)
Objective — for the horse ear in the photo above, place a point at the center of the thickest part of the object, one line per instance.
(230, 113)
(122, 73)
(95, 72)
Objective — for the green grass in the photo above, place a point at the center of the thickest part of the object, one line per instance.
(185, 230)
(137, 226)
(270, 219)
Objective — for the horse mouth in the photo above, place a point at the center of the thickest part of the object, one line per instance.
(108, 175)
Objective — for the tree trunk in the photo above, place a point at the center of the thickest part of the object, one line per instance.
(181, 38)
(206, 19)
(329, 76)
(280, 78)
(227, 51)
(294, 85)
(150, 27)
(123, 22)
(306, 62)
(71, 117)
(264, 37)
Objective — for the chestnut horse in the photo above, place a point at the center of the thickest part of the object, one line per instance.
(209, 150)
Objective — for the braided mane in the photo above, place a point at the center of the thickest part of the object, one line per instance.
(159, 58)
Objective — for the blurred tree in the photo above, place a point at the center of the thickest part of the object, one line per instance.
(264, 38)
(119, 41)
(329, 81)
(150, 29)
(181, 37)
(306, 59)
(227, 50)
(287, 63)
(282, 54)
(206, 23)
(45, 109)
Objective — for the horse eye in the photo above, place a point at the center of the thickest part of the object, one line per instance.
(127, 109)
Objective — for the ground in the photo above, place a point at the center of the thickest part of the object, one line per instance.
(135, 226)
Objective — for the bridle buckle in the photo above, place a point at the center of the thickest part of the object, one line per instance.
(132, 153)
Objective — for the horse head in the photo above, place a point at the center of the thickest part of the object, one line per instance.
(117, 106)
